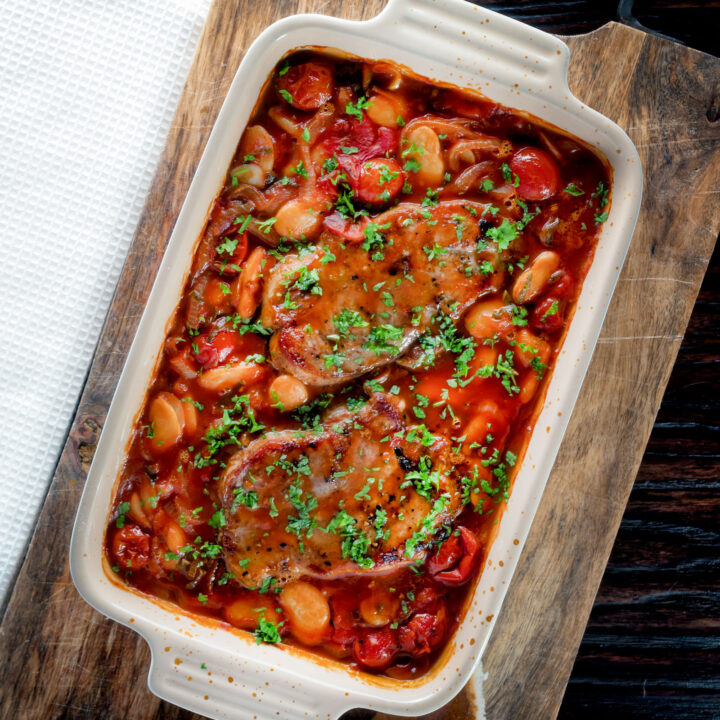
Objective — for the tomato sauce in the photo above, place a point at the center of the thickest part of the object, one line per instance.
(337, 151)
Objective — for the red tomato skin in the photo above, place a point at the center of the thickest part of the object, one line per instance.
(373, 182)
(343, 606)
(548, 323)
(370, 141)
(351, 231)
(376, 649)
(537, 172)
(455, 559)
(131, 547)
(215, 351)
(563, 286)
(423, 632)
(310, 85)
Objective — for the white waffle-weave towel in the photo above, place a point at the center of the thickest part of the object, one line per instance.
(88, 89)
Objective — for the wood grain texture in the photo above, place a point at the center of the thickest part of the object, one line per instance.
(651, 648)
(60, 659)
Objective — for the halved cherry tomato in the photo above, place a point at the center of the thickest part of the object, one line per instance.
(453, 563)
(538, 174)
(216, 350)
(423, 632)
(310, 85)
(376, 648)
(131, 547)
(344, 608)
(352, 231)
(380, 181)
(549, 314)
(561, 286)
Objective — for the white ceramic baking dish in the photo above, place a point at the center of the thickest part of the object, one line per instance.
(224, 674)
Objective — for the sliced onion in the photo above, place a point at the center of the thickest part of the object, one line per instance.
(320, 121)
(454, 129)
(259, 143)
(196, 303)
(469, 177)
(552, 149)
(481, 144)
(285, 122)
(182, 366)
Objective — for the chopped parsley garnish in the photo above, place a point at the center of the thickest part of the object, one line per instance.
(349, 319)
(425, 480)
(285, 95)
(266, 225)
(382, 338)
(574, 190)
(228, 246)
(552, 310)
(330, 164)
(235, 421)
(355, 543)
(601, 193)
(248, 498)
(267, 631)
(334, 360)
(123, 508)
(304, 522)
(356, 109)
(374, 240)
(411, 165)
(519, 315)
(423, 533)
(218, 520)
(504, 234)
(431, 198)
(509, 175)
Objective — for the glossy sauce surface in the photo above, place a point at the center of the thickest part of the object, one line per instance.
(353, 372)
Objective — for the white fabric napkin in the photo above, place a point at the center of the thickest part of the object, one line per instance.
(88, 89)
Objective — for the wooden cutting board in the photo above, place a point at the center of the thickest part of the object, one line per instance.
(60, 659)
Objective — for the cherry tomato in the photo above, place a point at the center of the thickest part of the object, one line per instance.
(380, 181)
(538, 174)
(423, 632)
(229, 254)
(454, 561)
(131, 547)
(352, 231)
(310, 85)
(344, 607)
(549, 314)
(562, 286)
(376, 648)
(216, 350)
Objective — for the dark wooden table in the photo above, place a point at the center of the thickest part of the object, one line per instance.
(652, 647)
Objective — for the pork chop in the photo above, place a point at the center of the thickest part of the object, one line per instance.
(340, 310)
(361, 494)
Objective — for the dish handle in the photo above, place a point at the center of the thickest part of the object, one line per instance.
(204, 686)
(489, 46)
